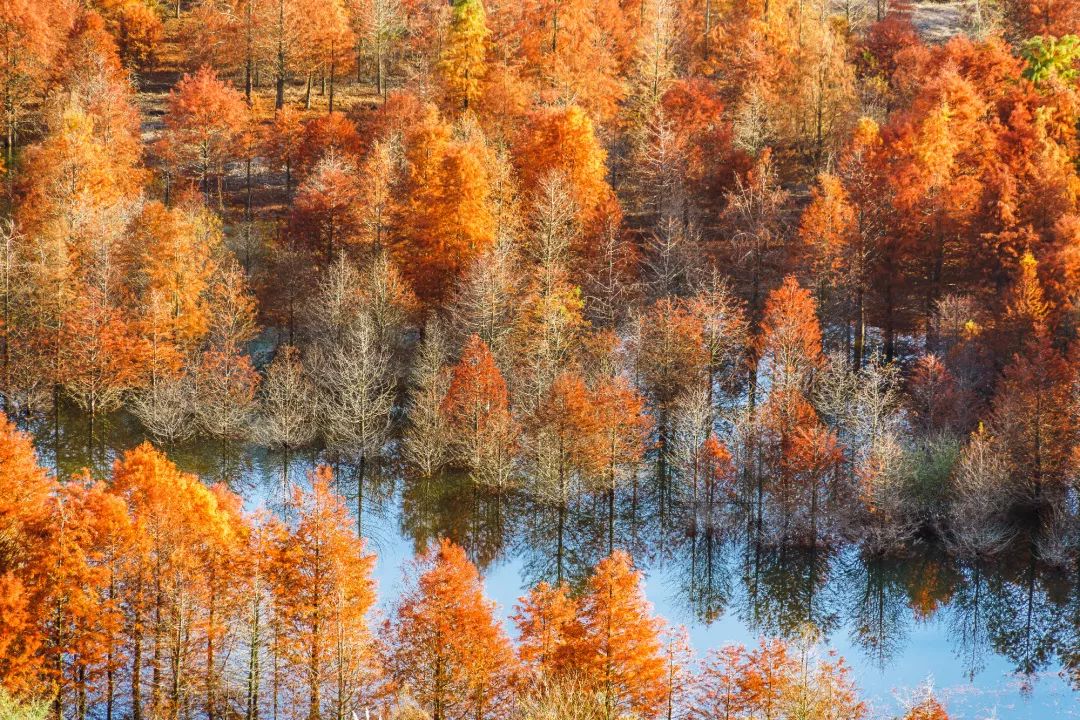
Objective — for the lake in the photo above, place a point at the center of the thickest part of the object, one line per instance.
(998, 640)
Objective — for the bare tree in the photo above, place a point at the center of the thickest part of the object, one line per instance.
(337, 304)
(977, 522)
(356, 385)
(610, 287)
(286, 408)
(554, 225)
(753, 130)
(165, 408)
(486, 303)
(388, 301)
(426, 441)
(224, 394)
(669, 258)
(864, 407)
(660, 170)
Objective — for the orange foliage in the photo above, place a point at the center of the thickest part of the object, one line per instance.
(1032, 414)
(444, 220)
(549, 632)
(326, 134)
(562, 140)
(625, 661)
(567, 415)
(326, 212)
(204, 120)
(178, 246)
(27, 532)
(445, 643)
(322, 579)
(927, 709)
(575, 51)
(790, 337)
(671, 352)
(476, 407)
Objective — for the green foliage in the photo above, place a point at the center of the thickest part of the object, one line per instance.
(931, 464)
(1050, 57)
(14, 709)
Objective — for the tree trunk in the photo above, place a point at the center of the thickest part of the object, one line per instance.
(330, 101)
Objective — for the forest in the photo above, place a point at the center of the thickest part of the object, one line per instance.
(585, 284)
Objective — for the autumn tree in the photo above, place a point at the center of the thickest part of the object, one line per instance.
(203, 121)
(670, 357)
(755, 235)
(626, 663)
(322, 592)
(776, 679)
(25, 525)
(1026, 310)
(461, 66)
(226, 380)
(105, 356)
(1032, 414)
(188, 528)
(477, 411)
(550, 635)
(326, 209)
(848, 231)
(790, 337)
(1040, 18)
(444, 642)
(928, 708)
(444, 220)
(573, 50)
(31, 34)
(332, 133)
(564, 445)
(564, 141)
(282, 144)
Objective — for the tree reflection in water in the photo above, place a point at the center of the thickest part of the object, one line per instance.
(713, 559)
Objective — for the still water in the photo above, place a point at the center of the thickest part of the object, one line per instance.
(1000, 640)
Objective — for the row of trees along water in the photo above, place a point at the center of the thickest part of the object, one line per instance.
(153, 595)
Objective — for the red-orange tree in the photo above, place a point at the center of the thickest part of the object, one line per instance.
(550, 633)
(445, 644)
(322, 592)
(625, 661)
(26, 527)
(203, 123)
(443, 220)
(476, 407)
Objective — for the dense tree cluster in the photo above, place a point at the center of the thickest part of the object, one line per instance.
(153, 595)
(779, 265)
